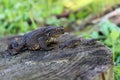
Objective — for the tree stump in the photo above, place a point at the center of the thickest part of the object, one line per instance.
(83, 62)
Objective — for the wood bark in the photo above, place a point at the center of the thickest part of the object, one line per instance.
(82, 62)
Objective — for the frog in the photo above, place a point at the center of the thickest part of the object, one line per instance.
(35, 40)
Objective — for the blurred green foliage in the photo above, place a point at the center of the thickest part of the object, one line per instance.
(117, 72)
(25, 15)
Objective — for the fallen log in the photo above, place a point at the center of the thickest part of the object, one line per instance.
(83, 62)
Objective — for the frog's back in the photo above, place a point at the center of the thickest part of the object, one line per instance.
(32, 38)
(35, 33)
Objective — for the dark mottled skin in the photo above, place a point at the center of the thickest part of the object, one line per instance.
(37, 39)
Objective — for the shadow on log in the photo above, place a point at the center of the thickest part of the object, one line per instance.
(83, 62)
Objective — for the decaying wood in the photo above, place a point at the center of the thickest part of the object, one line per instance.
(83, 62)
(112, 14)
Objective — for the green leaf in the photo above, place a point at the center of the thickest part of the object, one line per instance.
(114, 35)
(2, 16)
(72, 17)
(117, 70)
(52, 21)
(95, 35)
(108, 42)
(117, 47)
(104, 29)
(118, 60)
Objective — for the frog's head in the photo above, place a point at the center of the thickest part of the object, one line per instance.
(12, 45)
(53, 31)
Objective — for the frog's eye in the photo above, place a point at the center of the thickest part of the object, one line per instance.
(14, 44)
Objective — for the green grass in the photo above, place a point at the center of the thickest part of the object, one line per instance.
(25, 15)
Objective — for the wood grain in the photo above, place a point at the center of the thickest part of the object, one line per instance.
(83, 62)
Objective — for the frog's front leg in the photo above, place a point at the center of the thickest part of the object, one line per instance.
(43, 43)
